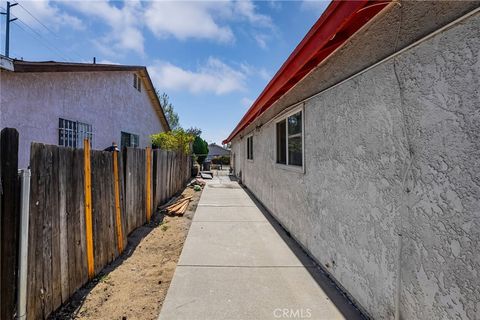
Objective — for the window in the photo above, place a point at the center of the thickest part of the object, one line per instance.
(71, 133)
(289, 132)
(129, 140)
(281, 142)
(250, 148)
(137, 82)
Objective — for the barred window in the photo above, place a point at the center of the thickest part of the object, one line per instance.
(71, 133)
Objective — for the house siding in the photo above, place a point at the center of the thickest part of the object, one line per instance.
(33, 103)
(363, 139)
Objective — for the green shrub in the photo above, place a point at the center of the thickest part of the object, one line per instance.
(175, 140)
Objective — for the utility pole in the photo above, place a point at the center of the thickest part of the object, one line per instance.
(7, 27)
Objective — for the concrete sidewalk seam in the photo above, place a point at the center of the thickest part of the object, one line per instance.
(233, 221)
(235, 266)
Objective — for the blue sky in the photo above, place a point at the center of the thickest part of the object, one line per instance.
(212, 58)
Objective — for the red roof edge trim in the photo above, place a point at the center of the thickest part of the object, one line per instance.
(336, 25)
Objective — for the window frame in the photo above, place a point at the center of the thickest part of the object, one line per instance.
(249, 137)
(284, 117)
(136, 138)
(137, 82)
(73, 132)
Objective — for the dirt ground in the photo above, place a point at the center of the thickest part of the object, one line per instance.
(135, 285)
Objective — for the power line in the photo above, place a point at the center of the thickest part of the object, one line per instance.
(42, 38)
(44, 43)
(47, 28)
(36, 19)
(8, 20)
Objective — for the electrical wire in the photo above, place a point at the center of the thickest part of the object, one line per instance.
(55, 34)
(45, 42)
(36, 19)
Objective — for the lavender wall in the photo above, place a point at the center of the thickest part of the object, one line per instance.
(33, 103)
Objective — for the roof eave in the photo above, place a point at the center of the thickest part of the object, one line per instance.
(339, 21)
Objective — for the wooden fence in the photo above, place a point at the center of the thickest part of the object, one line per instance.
(9, 221)
(83, 204)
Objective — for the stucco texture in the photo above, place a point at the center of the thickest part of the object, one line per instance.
(388, 155)
(33, 103)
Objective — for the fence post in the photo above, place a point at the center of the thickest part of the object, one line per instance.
(148, 180)
(118, 215)
(9, 221)
(88, 208)
(23, 248)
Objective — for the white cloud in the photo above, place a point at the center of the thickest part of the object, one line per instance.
(187, 20)
(246, 8)
(264, 74)
(250, 70)
(215, 76)
(275, 4)
(49, 15)
(124, 22)
(178, 19)
(317, 7)
(261, 40)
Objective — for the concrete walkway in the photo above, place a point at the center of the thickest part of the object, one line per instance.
(237, 263)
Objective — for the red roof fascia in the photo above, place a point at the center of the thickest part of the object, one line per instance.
(339, 21)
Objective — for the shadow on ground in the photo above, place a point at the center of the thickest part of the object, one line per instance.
(340, 299)
(71, 308)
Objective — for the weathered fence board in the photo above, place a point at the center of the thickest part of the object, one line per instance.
(135, 188)
(102, 208)
(76, 223)
(57, 257)
(9, 220)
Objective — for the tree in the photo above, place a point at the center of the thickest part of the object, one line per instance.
(194, 131)
(200, 149)
(175, 140)
(170, 114)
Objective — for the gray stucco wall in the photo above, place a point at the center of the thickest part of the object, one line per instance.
(384, 157)
(33, 103)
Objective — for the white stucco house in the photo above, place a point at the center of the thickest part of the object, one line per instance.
(365, 146)
(63, 103)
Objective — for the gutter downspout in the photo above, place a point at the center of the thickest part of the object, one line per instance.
(23, 244)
